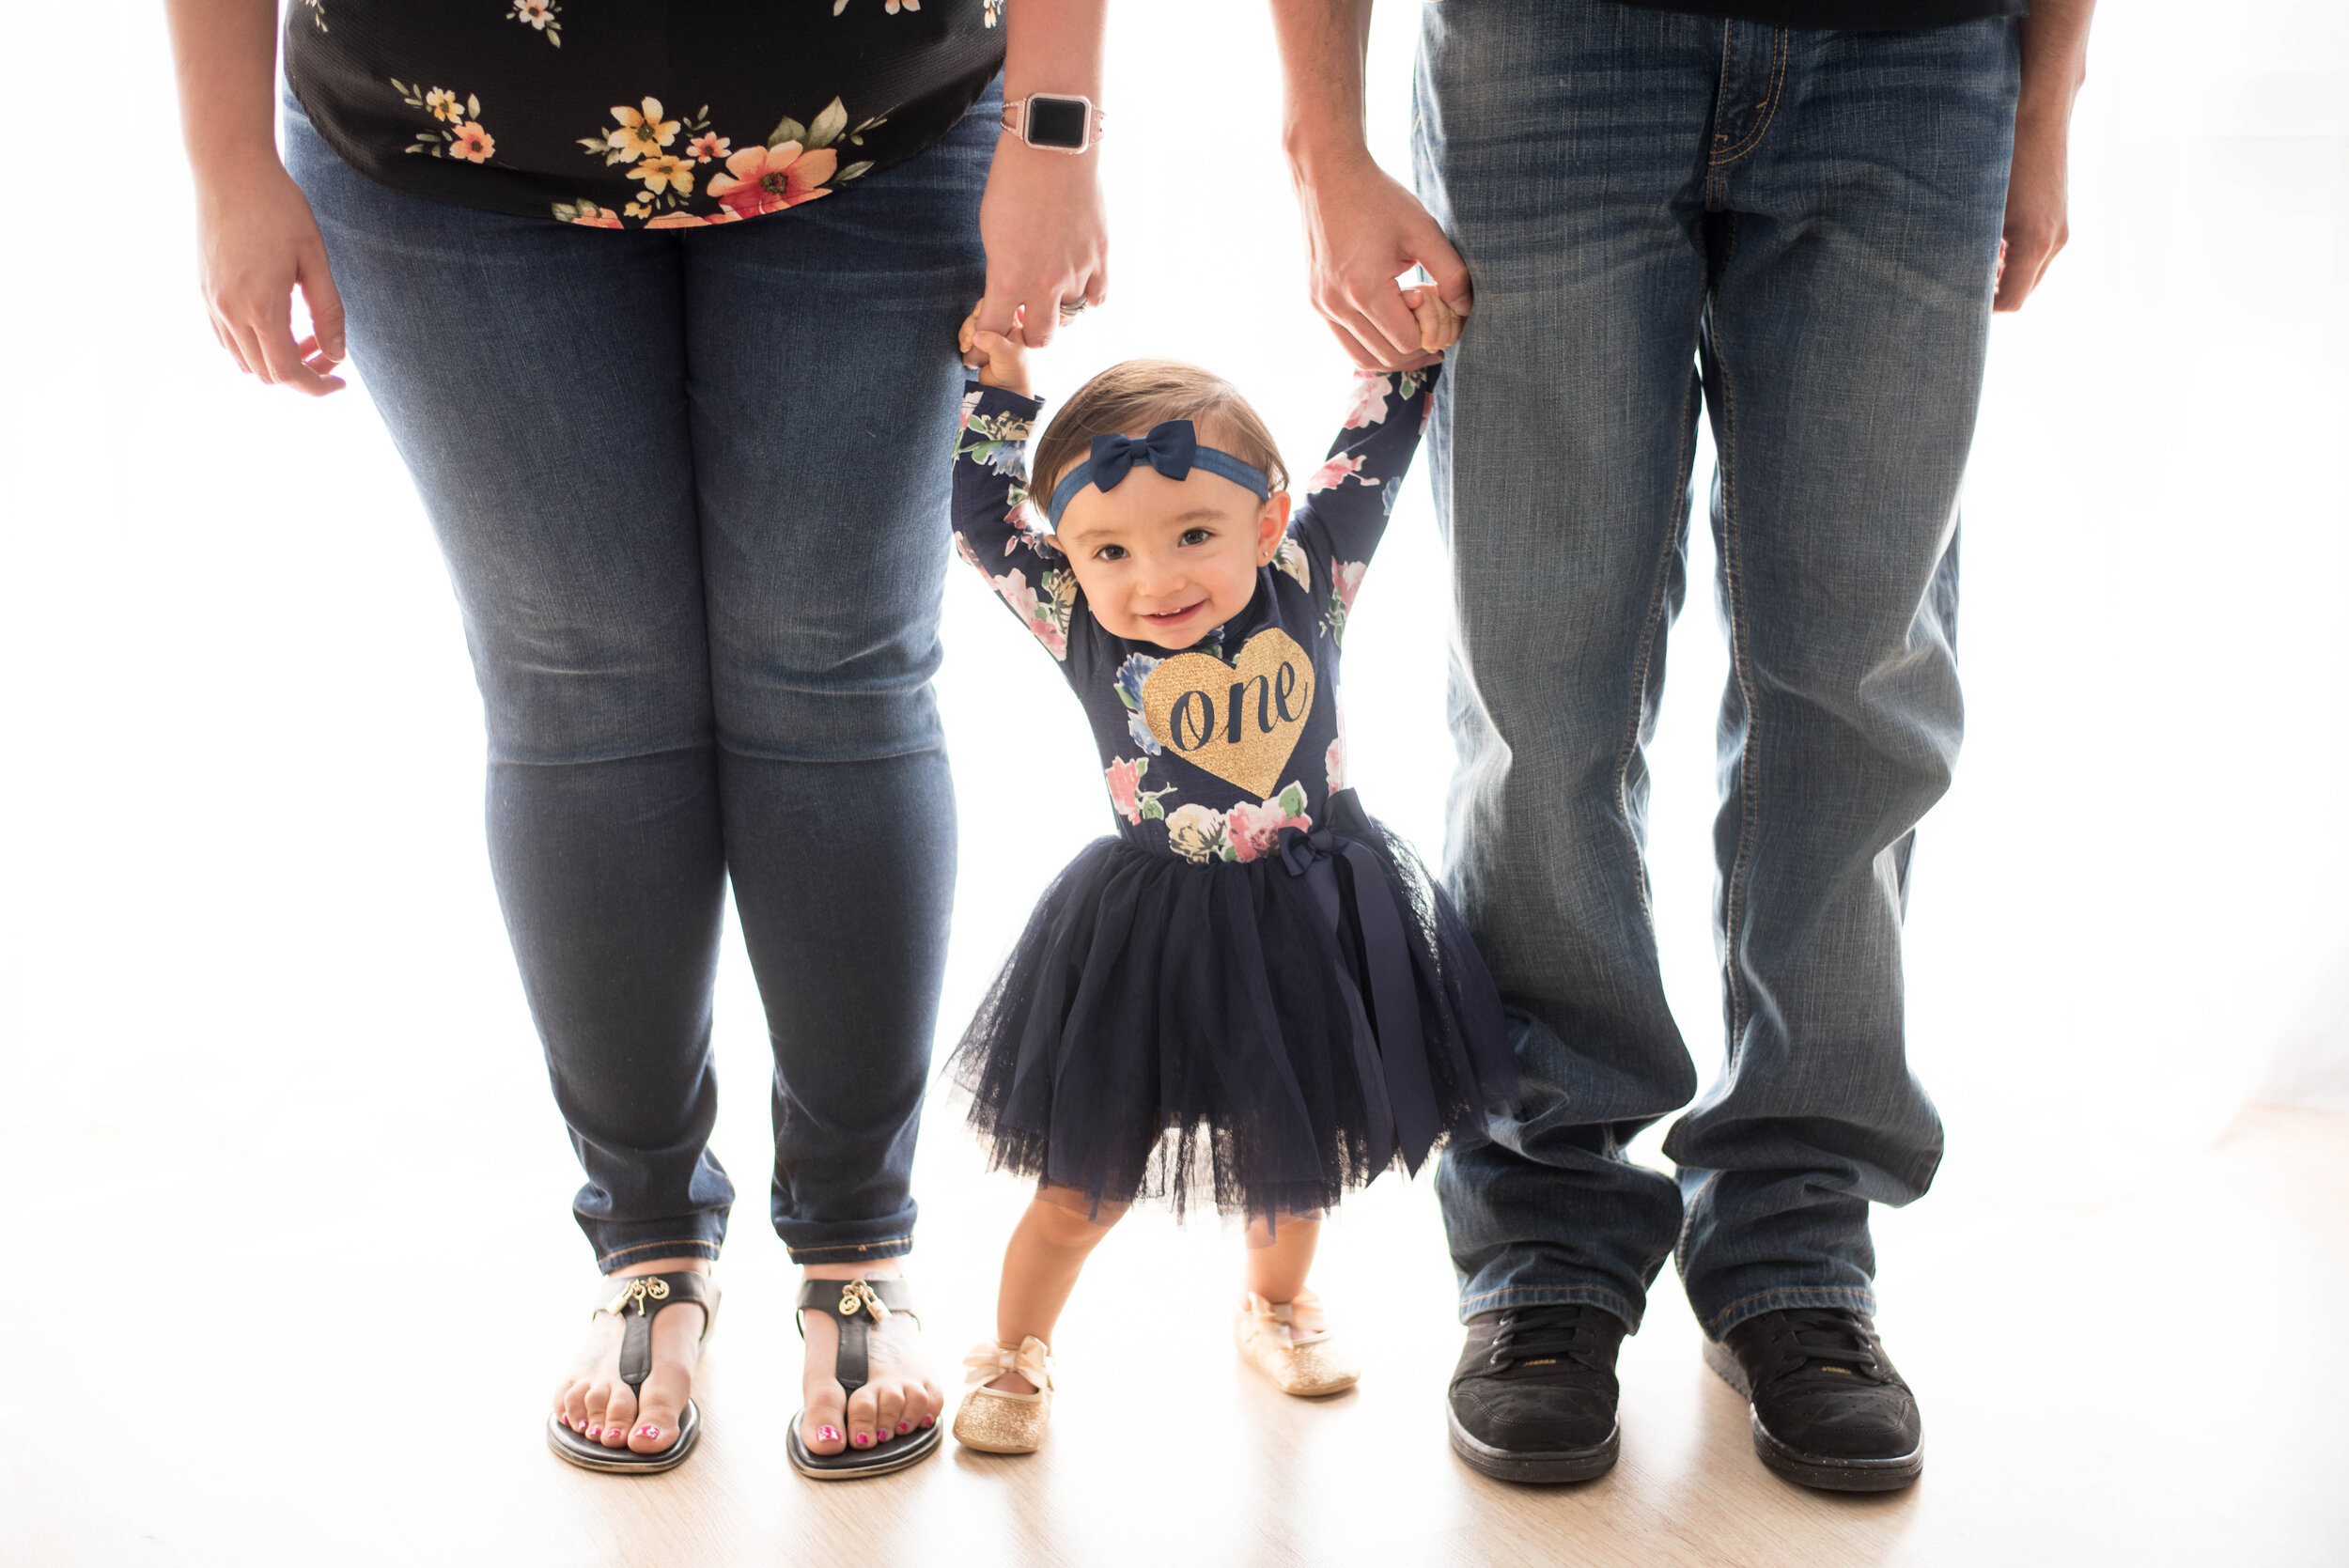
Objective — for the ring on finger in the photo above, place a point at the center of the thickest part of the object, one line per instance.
(1070, 310)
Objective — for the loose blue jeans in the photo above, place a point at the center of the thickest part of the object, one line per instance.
(692, 493)
(1793, 232)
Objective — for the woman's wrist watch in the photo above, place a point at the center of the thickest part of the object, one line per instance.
(1054, 123)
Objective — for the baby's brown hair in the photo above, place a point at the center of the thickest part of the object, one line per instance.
(1133, 397)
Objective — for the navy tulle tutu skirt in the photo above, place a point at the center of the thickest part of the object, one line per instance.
(1264, 1033)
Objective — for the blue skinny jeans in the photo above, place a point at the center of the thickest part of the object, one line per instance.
(1792, 233)
(689, 491)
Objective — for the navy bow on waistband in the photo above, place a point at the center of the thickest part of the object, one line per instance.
(1390, 1035)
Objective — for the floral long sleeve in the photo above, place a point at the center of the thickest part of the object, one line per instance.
(1349, 498)
(996, 527)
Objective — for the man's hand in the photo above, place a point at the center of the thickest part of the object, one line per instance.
(1362, 229)
(2055, 63)
(1000, 358)
(2036, 225)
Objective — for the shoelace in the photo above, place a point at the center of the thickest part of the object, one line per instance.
(1541, 1333)
(1821, 1337)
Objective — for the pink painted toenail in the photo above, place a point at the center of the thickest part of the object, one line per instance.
(905, 1426)
(595, 1432)
(649, 1431)
(929, 1421)
(828, 1434)
(862, 1439)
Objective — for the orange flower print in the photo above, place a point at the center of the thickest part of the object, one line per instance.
(460, 134)
(664, 171)
(708, 148)
(762, 179)
(640, 133)
(473, 143)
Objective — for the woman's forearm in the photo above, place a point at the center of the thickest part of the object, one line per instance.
(225, 54)
(1053, 46)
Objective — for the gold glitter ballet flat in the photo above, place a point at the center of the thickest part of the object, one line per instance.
(994, 1422)
(1311, 1363)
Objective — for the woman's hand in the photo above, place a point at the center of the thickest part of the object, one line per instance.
(1043, 221)
(257, 244)
(1047, 238)
(1000, 358)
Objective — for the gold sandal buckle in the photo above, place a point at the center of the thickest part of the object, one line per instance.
(637, 1292)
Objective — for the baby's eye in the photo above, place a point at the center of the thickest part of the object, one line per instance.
(1110, 552)
(1197, 535)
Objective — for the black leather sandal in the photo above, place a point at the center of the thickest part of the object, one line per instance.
(859, 1306)
(641, 1298)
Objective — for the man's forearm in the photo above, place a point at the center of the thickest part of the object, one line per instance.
(2055, 56)
(1322, 43)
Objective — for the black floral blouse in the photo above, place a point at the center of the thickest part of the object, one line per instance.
(1207, 752)
(624, 113)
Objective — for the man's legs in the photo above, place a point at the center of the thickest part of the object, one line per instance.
(1855, 228)
(1562, 148)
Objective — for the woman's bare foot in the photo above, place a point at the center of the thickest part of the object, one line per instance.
(594, 1403)
(900, 1396)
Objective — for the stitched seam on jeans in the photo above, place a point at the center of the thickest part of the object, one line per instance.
(1593, 1295)
(1644, 663)
(654, 1245)
(845, 1245)
(1741, 664)
(1859, 1300)
(1687, 1218)
(1768, 104)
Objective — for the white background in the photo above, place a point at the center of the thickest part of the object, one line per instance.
(273, 1122)
(246, 899)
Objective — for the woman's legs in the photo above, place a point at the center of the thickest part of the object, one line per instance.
(534, 379)
(824, 389)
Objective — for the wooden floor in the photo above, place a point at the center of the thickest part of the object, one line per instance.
(2157, 1380)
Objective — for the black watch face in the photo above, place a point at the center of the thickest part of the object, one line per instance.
(1057, 122)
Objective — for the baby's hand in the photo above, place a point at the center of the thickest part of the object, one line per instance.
(1438, 323)
(1001, 361)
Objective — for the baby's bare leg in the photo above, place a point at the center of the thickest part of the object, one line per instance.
(1279, 1255)
(1048, 1252)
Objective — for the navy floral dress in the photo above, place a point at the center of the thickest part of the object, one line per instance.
(1252, 993)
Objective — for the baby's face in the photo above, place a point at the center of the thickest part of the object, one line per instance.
(1167, 561)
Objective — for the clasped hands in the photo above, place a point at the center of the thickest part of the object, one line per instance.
(1000, 359)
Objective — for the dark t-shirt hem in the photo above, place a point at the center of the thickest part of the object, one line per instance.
(1871, 16)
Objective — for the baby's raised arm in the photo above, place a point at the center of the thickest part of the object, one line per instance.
(997, 528)
(1347, 498)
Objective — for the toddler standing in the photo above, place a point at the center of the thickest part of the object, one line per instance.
(1252, 994)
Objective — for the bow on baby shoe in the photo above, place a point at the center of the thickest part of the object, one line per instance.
(1033, 1361)
(1304, 1315)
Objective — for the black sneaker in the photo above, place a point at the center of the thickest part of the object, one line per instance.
(1533, 1397)
(1829, 1411)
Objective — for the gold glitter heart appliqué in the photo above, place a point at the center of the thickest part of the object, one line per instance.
(1238, 720)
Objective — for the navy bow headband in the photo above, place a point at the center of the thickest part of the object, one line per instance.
(1173, 448)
